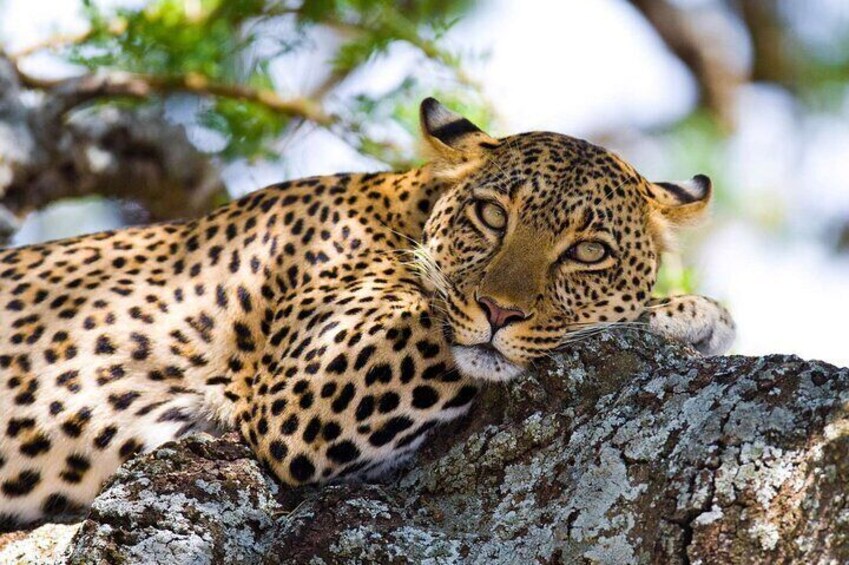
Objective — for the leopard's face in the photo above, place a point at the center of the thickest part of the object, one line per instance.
(541, 237)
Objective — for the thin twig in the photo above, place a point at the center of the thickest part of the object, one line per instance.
(78, 90)
(54, 42)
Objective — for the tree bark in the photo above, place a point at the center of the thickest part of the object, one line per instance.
(624, 449)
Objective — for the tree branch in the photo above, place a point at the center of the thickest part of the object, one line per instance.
(716, 79)
(771, 43)
(126, 155)
(53, 42)
(79, 90)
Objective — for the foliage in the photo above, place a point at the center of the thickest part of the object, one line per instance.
(236, 43)
(674, 278)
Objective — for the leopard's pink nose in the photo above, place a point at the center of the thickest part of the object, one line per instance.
(500, 316)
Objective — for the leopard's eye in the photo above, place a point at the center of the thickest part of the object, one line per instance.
(492, 215)
(589, 252)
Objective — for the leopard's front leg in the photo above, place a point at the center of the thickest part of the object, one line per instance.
(698, 321)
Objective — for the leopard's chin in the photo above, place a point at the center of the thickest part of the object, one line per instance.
(484, 362)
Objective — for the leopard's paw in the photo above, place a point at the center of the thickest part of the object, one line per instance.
(698, 321)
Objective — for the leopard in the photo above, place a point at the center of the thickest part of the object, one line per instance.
(332, 322)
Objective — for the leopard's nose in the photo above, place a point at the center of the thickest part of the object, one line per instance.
(500, 316)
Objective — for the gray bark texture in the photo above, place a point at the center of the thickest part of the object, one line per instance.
(625, 449)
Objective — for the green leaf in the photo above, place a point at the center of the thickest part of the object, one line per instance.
(234, 42)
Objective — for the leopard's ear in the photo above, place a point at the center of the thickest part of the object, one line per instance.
(457, 142)
(680, 202)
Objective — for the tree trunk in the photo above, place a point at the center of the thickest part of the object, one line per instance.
(624, 449)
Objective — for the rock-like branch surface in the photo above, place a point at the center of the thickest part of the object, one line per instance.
(624, 449)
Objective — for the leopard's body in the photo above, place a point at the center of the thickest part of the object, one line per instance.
(307, 316)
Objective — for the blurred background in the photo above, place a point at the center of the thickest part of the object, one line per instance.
(118, 112)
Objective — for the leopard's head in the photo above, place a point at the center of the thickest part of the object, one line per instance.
(538, 236)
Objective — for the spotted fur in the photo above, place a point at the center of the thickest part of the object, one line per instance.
(333, 321)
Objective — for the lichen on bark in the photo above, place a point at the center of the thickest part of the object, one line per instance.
(623, 449)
